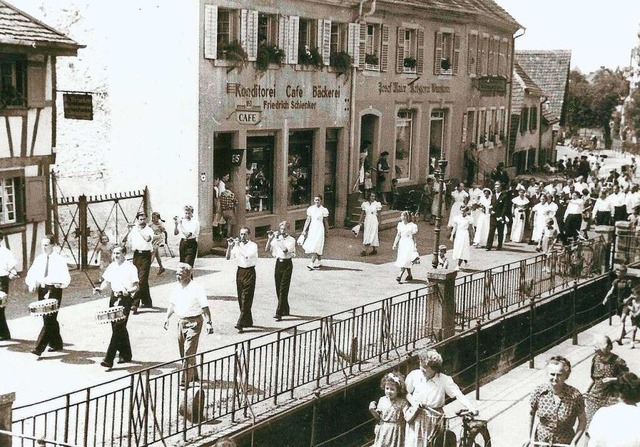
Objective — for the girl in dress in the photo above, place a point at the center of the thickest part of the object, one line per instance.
(389, 411)
(460, 198)
(460, 237)
(519, 209)
(484, 221)
(370, 210)
(633, 302)
(547, 240)
(158, 239)
(315, 229)
(406, 244)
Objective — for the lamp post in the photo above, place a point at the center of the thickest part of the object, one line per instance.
(442, 166)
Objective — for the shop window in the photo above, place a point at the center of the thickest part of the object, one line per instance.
(502, 114)
(472, 56)
(447, 53)
(482, 128)
(404, 143)
(299, 168)
(469, 130)
(259, 181)
(13, 81)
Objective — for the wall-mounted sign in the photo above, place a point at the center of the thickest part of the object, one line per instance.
(491, 85)
(236, 156)
(78, 106)
(248, 115)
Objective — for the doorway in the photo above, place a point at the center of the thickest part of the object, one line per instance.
(330, 168)
(436, 138)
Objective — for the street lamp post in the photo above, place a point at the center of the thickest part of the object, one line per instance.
(442, 165)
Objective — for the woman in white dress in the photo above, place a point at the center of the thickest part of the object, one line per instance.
(484, 221)
(406, 244)
(460, 198)
(370, 210)
(519, 212)
(460, 237)
(542, 212)
(474, 199)
(315, 229)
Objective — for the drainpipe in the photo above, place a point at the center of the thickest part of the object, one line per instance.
(513, 57)
(542, 101)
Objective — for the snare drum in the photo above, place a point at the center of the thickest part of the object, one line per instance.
(3, 299)
(111, 315)
(43, 307)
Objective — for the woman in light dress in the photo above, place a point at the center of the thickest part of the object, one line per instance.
(460, 237)
(519, 212)
(484, 221)
(540, 213)
(315, 230)
(370, 210)
(405, 242)
(475, 195)
(460, 198)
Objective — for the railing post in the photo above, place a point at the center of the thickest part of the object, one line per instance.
(87, 412)
(443, 307)
(277, 368)
(532, 311)
(477, 368)
(574, 323)
(6, 416)
(147, 391)
(83, 227)
(67, 404)
(293, 361)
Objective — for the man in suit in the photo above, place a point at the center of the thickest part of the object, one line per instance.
(499, 215)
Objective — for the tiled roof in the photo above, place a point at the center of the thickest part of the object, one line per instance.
(547, 115)
(549, 69)
(517, 97)
(487, 8)
(527, 83)
(19, 28)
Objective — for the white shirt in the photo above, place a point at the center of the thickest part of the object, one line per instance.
(137, 235)
(187, 226)
(188, 301)
(574, 206)
(278, 244)
(615, 426)
(602, 205)
(432, 392)
(617, 199)
(632, 200)
(7, 261)
(245, 255)
(57, 271)
(121, 277)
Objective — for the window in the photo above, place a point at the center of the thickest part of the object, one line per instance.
(404, 143)
(533, 120)
(227, 33)
(307, 35)
(447, 53)
(8, 200)
(338, 37)
(469, 128)
(502, 114)
(482, 126)
(491, 126)
(13, 81)
(482, 58)
(472, 57)
(259, 165)
(299, 167)
(524, 119)
(372, 47)
(409, 47)
(267, 29)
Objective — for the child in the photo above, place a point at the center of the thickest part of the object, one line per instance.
(158, 239)
(548, 239)
(633, 303)
(394, 194)
(368, 184)
(443, 262)
(389, 412)
(103, 253)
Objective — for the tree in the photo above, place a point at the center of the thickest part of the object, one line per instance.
(592, 103)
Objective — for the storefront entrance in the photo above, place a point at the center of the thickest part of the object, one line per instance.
(259, 163)
(436, 138)
(330, 163)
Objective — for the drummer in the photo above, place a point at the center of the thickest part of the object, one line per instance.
(47, 277)
(122, 277)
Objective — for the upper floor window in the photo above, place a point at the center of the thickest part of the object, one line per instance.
(338, 41)
(472, 56)
(8, 200)
(447, 53)
(483, 52)
(13, 81)
(373, 40)
(267, 29)
(307, 35)
(409, 46)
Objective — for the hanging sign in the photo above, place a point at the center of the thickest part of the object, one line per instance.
(78, 106)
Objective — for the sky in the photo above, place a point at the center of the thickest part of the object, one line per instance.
(599, 33)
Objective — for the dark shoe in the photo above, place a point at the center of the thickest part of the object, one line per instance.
(52, 349)
(374, 252)
(121, 360)
(363, 253)
(409, 278)
(35, 352)
(488, 249)
(134, 310)
(5, 338)
(399, 279)
(106, 365)
(160, 271)
(619, 342)
(277, 317)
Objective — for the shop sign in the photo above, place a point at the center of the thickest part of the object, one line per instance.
(236, 156)
(414, 89)
(78, 106)
(281, 97)
(248, 115)
(492, 84)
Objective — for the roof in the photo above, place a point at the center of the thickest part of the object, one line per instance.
(19, 28)
(548, 116)
(549, 69)
(530, 87)
(522, 86)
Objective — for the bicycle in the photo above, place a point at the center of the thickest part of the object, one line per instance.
(474, 432)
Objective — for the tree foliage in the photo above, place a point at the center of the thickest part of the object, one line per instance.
(591, 102)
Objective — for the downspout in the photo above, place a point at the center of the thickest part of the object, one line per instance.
(537, 160)
(513, 57)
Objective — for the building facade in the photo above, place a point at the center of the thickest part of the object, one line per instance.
(28, 53)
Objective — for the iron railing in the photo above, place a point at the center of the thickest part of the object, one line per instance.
(150, 405)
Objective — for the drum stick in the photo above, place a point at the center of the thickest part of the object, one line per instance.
(93, 286)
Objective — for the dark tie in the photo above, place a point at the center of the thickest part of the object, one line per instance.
(46, 267)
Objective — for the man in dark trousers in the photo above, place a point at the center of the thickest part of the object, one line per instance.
(245, 254)
(283, 248)
(499, 215)
(141, 236)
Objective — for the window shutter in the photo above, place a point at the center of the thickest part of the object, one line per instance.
(249, 33)
(507, 63)
(464, 127)
(533, 125)
(524, 119)
(210, 31)
(437, 58)
(456, 53)
(353, 43)
(294, 29)
(420, 52)
(384, 51)
(400, 51)
(491, 57)
(324, 40)
(472, 58)
(35, 199)
(482, 60)
(362, 52)
(283, 35)
(37, 78)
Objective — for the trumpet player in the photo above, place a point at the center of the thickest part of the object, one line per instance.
(188, 229)
(282, 247)
(245, 254)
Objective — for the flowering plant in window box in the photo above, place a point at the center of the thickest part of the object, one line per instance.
(371, 59)
(410, 62)
(232, 52)
(268, 54)
(341, 61)
(311, 57)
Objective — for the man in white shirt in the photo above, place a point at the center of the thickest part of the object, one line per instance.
(7, 272)
(188, 229)
(573, 216)
(189, 302)
(282, 247)
(617, 199)
(47, 276)
(122, 277)
(245, 254)
(141, 236)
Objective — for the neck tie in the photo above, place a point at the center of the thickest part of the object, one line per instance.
(46, 267)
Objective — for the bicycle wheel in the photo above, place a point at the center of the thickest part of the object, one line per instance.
(478, 434)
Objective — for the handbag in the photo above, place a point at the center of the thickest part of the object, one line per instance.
(356, 230)
(301, 239)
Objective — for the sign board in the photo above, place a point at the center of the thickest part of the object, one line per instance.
(248, 117)
(492, 84)
(78, 106)
(236, 156)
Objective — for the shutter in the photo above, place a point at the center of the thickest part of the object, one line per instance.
(491, 57)
(244, 20)
(456, 53)
(353, 44)
(437, 57)
(507, 70)
(420, 52)
(472, 57)
(496, 55)
(482, 60)
(362, 52)
(319, 34)
(294, 37)
(464, 127)
(210, 31)
(384, 51)
(37, 80)
(283, 35)
(325, 48)
(249, 33)
(400, 51)
(35, 199)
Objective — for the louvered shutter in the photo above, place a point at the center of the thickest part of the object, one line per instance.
(353, 42)
(210, 31)
(324, 40)
(507, 63)
(249, 33)
(484, 49)
(384, 51)
(420, 52)
(456, 54)
(283, 35)
(362, 52)
(294, 28)
(464, 127)
(472, 57)
(37, 75)
(400, 51)
(491, 57)
(437, 57)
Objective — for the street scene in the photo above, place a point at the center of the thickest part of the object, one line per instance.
(338, 223)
